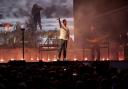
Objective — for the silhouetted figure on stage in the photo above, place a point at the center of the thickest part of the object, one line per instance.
(95, 52)
(95, 44)
(124, 38)
(63, 37)
(36, 16)
(124, 43)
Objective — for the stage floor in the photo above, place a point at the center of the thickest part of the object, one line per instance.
(34, 55)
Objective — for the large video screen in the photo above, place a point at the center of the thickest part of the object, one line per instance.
(13, 13)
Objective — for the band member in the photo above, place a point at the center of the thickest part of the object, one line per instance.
(63, 37)
(124, 44)
(94, 39)
(36, 16)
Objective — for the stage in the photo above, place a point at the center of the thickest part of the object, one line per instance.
(34, 55)
(93, 34)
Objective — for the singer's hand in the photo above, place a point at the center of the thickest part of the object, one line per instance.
(58, 19)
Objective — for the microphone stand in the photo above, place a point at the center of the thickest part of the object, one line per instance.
(23, 29)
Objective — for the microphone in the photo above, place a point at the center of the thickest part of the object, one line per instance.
(58, 18)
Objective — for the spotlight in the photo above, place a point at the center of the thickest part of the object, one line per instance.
(86, 59)
(1, 60)
(22, 59)
(12, 59)
(103, 59)
(37, 59)
(49, 59)
(32, 59)
(108, 59)
(75, 59)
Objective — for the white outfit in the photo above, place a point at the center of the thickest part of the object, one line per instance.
(64, 33)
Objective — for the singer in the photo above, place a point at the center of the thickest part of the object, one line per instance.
(63, 38)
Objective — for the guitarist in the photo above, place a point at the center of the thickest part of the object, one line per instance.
(63, 37)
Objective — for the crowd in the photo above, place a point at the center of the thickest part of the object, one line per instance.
(62, 75)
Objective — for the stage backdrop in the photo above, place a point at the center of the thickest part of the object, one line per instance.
(16, 12)
(19, 12)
